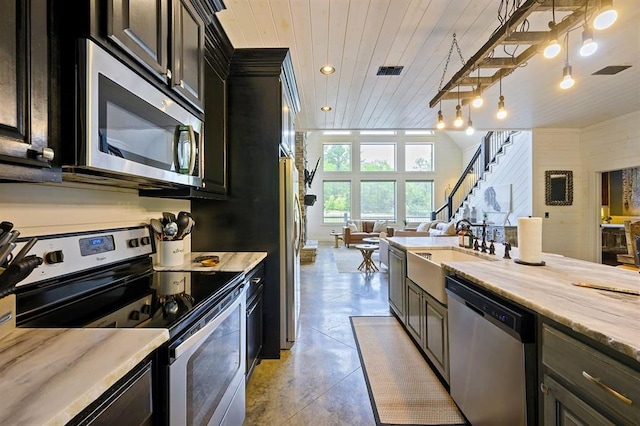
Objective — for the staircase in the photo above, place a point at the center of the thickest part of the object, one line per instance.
(492, 146)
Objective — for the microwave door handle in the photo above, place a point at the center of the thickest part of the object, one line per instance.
(193, 153)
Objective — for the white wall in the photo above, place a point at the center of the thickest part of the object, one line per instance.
(612, 145)
(514, 168)
(558, 149)
(36, 209)
(448, 166)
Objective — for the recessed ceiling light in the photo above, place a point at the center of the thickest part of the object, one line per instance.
(327, 70)
(325, 108)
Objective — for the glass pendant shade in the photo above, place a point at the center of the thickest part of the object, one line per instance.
(440, 125)
(502, 113)
(567, 80)
(470, 130)
(589, 46)
(606, 16)
(458, 121)
(552, 50)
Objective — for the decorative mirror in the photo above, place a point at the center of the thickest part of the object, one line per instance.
(559, 187)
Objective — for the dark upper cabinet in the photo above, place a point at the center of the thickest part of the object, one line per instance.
(24, 93)
(142, 30)
(167, 40)
(187, 50)
(218, 53)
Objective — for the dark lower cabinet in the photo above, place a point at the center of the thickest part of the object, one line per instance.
(254, 319)
(127, 403)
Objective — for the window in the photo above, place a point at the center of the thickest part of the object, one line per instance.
(337, 200)
(377, 157)
(419, 200)
(337, 157)
(378, 200)
(418, 157)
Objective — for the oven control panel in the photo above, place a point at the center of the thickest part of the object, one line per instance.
(64, 254)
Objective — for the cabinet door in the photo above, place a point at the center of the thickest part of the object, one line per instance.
(24, 78)
(436, 335)
(561, 407)
(187, 47)
(415, 315)
(141, 29)
(397, 275)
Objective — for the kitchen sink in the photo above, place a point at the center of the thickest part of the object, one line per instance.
(425, 269)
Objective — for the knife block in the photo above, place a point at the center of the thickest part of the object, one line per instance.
(7, 315)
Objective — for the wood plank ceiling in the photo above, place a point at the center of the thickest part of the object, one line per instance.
(359, 36)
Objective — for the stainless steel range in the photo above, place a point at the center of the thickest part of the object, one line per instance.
(105, 278)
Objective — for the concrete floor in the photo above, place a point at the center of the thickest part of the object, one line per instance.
(320, 381)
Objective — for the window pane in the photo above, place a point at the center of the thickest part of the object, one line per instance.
(418, 157)
(337, 157)
(337, 201)
(377, 157)
(378, 200)
(419, 196)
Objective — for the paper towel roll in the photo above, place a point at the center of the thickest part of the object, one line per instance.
(530, 239)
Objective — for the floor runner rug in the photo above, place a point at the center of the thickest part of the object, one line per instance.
(402, 387)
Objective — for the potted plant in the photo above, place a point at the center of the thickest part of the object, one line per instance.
(606, 219)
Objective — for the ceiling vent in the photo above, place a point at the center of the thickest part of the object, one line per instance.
(611, 70)
(395, 70)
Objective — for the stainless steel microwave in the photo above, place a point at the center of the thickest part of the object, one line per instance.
(129, 132)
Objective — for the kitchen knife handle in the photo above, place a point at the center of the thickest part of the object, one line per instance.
(25, 249)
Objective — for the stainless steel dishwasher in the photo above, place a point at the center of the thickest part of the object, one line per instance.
(492, 357)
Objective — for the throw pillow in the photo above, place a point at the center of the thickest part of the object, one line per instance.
(352, 227)
(423, 227)
(380, 226)
(447, 228)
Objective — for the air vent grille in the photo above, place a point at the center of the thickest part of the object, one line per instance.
(393, 70)
(611, 70)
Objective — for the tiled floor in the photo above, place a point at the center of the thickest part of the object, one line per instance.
(319, 381)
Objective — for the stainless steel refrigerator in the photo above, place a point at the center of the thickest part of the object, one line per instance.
(290, 245)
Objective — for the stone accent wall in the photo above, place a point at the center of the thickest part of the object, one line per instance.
(301, 161)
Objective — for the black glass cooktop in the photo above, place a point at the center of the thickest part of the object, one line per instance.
(125, 296)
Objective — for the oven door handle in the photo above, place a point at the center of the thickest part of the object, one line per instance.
(204, 332)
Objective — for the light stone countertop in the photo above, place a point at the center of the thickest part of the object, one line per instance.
(47, 376)
(609, 318)
(229, 262)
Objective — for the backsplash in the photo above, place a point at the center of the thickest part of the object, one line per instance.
(41, 209)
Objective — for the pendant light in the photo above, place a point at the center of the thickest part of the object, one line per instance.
(567, 79)
(589, 46)
(606, 16)
(553, 47)
(478, 101)
(470, 130)
(458, 122)
(440, 125)
(502, 113)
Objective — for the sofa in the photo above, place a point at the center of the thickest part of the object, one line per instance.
(356, 230)
(436, 228)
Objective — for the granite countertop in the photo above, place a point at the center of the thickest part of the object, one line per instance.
(609, 318)
(229, 262)
(47, 376)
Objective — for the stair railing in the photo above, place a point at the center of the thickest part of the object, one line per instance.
(490, 147)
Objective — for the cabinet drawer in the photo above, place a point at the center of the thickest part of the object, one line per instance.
(613, 388)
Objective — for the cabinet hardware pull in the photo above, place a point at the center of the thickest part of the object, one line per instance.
(182, 84)
(598, 382)
(544, 388)
(168, 73)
